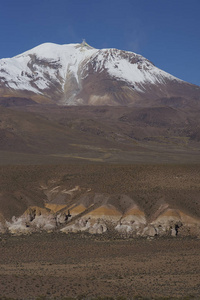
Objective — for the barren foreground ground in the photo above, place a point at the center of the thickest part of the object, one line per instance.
(57, 266)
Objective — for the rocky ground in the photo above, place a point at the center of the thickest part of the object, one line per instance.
(60, 266)
(141, 208)
(133, 200)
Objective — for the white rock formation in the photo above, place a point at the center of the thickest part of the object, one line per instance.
(132, 223)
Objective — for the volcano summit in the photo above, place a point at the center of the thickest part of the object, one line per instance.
(77, 74)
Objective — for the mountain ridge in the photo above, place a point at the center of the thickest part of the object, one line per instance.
(77, 74)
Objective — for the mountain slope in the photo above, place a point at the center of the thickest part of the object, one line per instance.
(77, 74)
(57, 134)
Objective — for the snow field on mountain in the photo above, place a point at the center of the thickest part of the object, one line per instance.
(50, 65)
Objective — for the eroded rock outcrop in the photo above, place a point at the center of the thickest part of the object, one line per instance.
(77, 210)
(86, 224)
(35, 219)
(132, 222)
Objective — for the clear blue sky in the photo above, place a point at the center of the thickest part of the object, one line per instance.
(167, 32)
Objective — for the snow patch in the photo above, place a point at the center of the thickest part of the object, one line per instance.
(49, 65)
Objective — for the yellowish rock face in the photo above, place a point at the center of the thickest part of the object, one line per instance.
(105, 211)
(54, 207)
(77, 209)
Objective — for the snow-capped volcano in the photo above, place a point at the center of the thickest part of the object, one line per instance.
(37, 69)
(77, 74)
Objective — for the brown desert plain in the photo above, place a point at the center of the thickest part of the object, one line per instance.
(150, 156)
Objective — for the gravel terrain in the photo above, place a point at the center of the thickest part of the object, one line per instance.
(60, 266)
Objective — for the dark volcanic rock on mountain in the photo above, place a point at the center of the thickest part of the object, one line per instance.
(77, 74)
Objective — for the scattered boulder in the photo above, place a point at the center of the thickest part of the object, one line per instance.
(86, 224)
(34, 219)
(149, 230)
(81, 224)
(18, 226)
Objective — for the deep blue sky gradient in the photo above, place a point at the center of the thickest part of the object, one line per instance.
(167, 32)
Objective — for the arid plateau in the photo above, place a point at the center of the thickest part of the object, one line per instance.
(99, 177)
